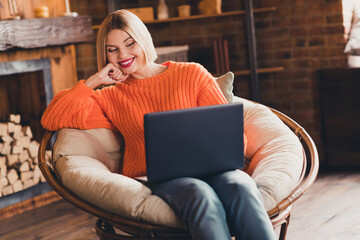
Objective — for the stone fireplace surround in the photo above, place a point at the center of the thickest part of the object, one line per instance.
(44, 65)
(46, 45)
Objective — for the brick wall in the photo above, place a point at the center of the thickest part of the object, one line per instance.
(303, 36)
(86, 53)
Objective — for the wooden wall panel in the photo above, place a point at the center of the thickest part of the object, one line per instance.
(63, 70)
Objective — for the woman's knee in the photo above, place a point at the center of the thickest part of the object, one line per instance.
(187, 193)
(235, 183)
(203, 212)
(200, 192)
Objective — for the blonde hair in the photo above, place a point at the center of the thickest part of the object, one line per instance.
(130, 23)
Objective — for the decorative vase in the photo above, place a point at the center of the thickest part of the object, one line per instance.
(163, 12)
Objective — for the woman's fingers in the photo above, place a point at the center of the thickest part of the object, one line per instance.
(109, 74)
(116, 74)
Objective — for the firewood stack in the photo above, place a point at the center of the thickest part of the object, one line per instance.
(18, 157)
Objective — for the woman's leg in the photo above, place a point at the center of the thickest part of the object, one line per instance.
(196, 203)
(241, 199)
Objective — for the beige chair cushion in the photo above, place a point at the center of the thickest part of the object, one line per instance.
(80, 157)
(275, 153)
(88, 143)
(88, 162)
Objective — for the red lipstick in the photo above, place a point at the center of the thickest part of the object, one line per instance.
(126, 63)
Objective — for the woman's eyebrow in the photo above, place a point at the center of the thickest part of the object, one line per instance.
(127, 39)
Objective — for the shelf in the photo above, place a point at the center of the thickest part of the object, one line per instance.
(196, 17)
(259, 71)
(224, 14)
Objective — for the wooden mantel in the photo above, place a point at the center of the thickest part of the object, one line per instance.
(53, 38)
(43, 32)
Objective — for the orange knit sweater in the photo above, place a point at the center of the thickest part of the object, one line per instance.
(123, 106)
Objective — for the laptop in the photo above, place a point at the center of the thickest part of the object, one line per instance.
(194, 142)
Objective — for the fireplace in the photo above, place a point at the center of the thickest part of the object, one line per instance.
(25, 89)
(37, 60)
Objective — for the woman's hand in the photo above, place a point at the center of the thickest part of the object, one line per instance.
(108, 75)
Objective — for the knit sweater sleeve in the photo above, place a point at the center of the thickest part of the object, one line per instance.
(75, 108)
(209, 90)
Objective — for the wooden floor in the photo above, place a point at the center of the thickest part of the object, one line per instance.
(330, 210)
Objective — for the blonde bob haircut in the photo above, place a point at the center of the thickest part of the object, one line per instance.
(130, 23)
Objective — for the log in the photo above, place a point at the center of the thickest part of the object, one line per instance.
(7, 190)
(18, 168)
(3, 129)
(36, 179)
(27, 131)
(3, 182)
(3, 167)
(12, 159)
(28, 183)
(37, 174)
(6, 138)
(2, 162)
(3, 172)
(16, 149)
(6, 149)
(18, 133)
(23, 141)
(26, 175)
(24, 155)
(17, 186)
(33, 148)
(15, 118)
(24, 167)
(11, 127)
(12, 176)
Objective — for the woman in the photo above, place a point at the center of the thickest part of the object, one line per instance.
(126, 57)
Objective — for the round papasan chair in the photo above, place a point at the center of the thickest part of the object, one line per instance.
(86, 170)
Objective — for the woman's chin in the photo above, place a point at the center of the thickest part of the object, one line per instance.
(127, 71)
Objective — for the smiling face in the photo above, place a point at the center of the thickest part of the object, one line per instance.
(124, 52)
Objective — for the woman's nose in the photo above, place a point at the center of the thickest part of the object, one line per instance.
(121, 55)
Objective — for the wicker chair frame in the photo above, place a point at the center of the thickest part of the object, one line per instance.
(131, 229)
